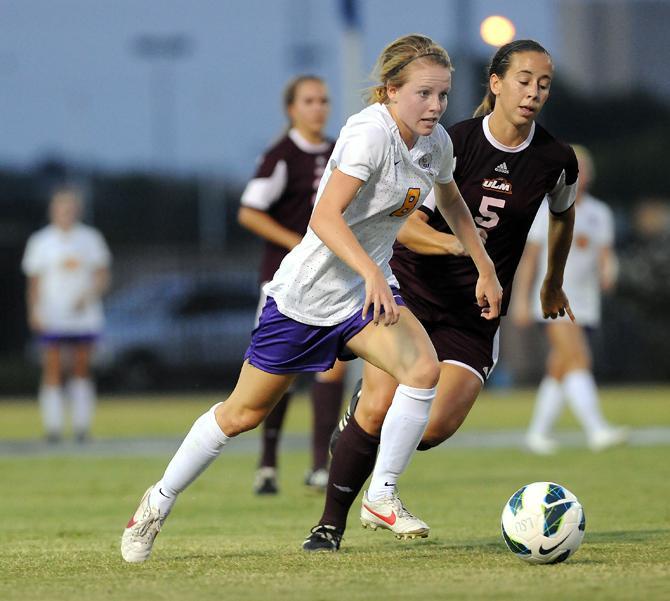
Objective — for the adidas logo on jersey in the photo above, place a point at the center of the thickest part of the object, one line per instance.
(502, 168)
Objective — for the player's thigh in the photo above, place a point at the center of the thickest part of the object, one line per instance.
(402, 350)
(253, 397)
(569, 342)
(52, 358)
(81, 359)
(376, 397)
(457, 392)
(336, 374)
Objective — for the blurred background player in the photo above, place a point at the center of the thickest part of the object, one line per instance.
(591, 267)
(276, 205)
(67, 265)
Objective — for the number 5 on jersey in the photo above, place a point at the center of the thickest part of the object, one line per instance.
(409, 204)
(488, 218)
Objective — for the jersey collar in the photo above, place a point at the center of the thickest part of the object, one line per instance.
(489, 136)
(305, 145)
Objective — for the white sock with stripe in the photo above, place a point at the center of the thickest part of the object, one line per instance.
(403, 428)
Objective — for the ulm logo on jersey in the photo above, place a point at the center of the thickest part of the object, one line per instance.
(497, 184)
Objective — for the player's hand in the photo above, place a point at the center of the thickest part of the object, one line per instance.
(554, 301)
(378, 295)
(489, 294)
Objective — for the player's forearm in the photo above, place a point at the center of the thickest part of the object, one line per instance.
(560, 240)
(264, 226)
(32, 294)
(329, 225)
(458, 216)
(421, 238)
(525, 273)
(609, 268)
(102, 281)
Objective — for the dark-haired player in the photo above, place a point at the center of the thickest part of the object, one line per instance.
(505, 164)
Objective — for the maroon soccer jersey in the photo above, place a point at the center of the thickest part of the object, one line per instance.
(503, 188)
(284, 186)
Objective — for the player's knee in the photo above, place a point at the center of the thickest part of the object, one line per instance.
(436, 434)
(371, 412)
(234, 422)
(424, 374)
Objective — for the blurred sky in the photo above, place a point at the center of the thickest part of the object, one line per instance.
(74, 85)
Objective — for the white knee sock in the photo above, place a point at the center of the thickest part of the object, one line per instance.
(580, 388)
(548, 405)
(201, 446)
(82, 396)
(51, 407)
(403, 428)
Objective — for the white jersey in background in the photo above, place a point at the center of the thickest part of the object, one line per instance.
(312, 285)
(594, 230)
(66, 262)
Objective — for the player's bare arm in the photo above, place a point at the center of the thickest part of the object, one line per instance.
(450, 203)
(553, 298)
(423, 239)
(102, 280)
(264, 226)
(608, 267)
(523, 283)
(329, 225)
(32, 294)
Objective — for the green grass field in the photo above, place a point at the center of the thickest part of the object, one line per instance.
(61, 517)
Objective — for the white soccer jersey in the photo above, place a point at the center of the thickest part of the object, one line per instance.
(312, 285)
(594, 230)
(65, 262)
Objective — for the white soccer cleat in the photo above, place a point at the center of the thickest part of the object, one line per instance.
(389, 513)
(541, 444)
(608, 437)
(141, 531)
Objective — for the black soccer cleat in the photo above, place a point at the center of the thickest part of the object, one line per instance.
(349, 411)
(265, 482)
(323, 538)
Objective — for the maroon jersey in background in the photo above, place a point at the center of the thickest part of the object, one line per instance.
(503, 188)
(284, 186)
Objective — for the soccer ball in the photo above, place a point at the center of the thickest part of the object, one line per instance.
(543, 522)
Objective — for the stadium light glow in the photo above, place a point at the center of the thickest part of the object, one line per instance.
(497, 31)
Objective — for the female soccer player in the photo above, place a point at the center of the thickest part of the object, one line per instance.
(505, 164)
(67, 264)
(334, 294)
(276, 205)
(591, 267)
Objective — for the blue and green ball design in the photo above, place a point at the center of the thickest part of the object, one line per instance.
(543, 522)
